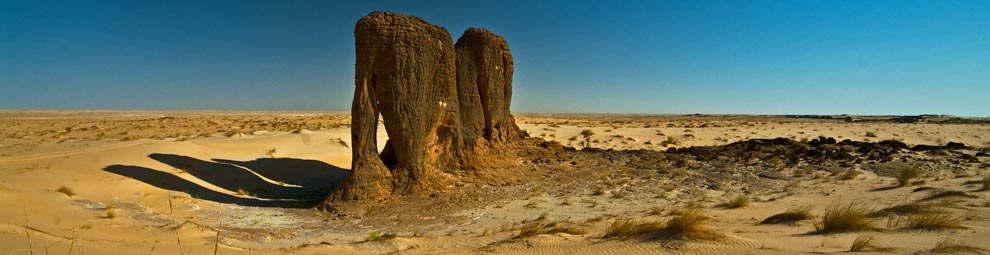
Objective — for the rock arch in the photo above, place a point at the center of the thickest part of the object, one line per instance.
(445, 107)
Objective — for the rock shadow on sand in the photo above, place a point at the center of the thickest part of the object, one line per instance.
(265, 182)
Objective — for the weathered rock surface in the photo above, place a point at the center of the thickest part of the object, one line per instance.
(445, 107)
(484, 78)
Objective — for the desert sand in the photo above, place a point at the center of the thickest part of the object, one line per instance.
(119, 182)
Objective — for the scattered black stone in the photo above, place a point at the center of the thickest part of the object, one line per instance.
(956, 146)
(969, 158)
(906, 119)
(894, 144)
(925, 147)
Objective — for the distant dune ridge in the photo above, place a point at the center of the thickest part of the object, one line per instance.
(445, 106)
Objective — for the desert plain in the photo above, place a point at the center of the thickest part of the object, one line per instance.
(220, 182)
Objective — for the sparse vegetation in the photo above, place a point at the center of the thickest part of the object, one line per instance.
(905, 209)
(905, 175)
(861, 243)
(587, 133)
(790, 216)
(110, 212)
(870, 134)
(271, 153)
(373, 236)
(933, 222)
(689, 224)
(867, 243)
(950, 246)
(985, 183)
(599, 190)
(849, 174)
(541, 228)
(65, 190)
(843, 218)
(738, 202)
(946, 193)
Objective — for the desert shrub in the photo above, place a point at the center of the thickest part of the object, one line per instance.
(737, 202)
(905, 175)
(790, 216)
(841, 218)
(587, 133)
(870, 134)
(65, 190)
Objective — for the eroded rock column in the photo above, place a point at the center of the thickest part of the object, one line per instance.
(484, 80)
(405, 72)
(445, 107)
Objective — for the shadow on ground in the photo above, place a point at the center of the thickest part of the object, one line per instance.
(264, 182)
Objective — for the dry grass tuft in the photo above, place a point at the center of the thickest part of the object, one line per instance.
(110, 212)
(985, 183)
(625, 228)
(945, 194)
(842, 218)
(949, 246)
(933, 222)
(66, 190)
(906, 209)
(242, 192)
(849, 174)
(375, 236)
(905, 175)
(790, 216)
(541, 228)
(737, 202)
(688, 225)
(866, 243)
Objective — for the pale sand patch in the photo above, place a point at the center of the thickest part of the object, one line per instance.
(36, 162)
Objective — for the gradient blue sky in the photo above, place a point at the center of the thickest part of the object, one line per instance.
(751, 57)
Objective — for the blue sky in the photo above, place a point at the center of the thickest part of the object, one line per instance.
(747, 57)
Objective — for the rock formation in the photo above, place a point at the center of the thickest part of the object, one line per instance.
(445, 107)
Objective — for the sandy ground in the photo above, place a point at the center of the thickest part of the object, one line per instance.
(245, 183)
